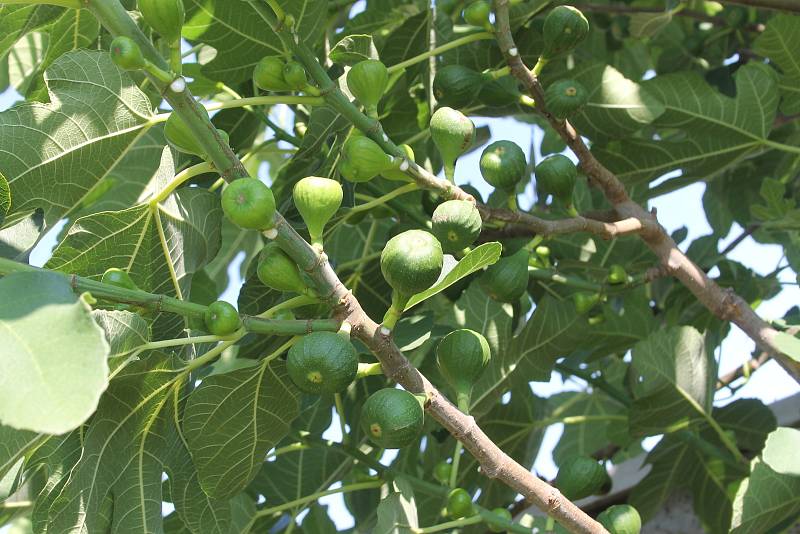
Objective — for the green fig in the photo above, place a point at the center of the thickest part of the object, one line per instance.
(165, 16)
(392, 418)
(453, 133)
(565, 27)
(503, 165)
(411, 262)
(507, 280)
(249, 203)
(477, 14)
(364, 159)
(456, 224)
(367, 81)
(456, 85)
(268, 74)
(621, 519)
(557, 176)
(462, 356)
(126, 54)
(317, 199)
(564, 98)
(278, 271)
(580, 476)
(295, 75)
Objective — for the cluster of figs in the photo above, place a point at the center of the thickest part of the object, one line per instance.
(326, 363)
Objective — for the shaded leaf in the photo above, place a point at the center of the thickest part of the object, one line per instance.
(256, 406)
(781, 43)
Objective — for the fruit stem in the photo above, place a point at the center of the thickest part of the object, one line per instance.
(456, 460)
(395, 311)
(294, 302)
(337, 399)
(512, 202)
(316, 242)
(537, 69)
(176, 58)
(180, 178)
(369, 369)
(480, 36)
(450, 171)
(449, 525)
(311, 498)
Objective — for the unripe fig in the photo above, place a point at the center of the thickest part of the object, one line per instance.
(503, 165)
(442, 472)
(268, 74)
(181, 137)
(399, 175)
(295, 75)
(166, 17)
(364, 159)
(411, 262)
(580, 476)
(317, 199)
(456, 85)
(459, 504)
(507, 280)
(119, 278)
(557, 176)
(278, 271)
(621, 519)
(322, 363)
(126, 54)
(564, 98)
(453, 133)
(456, 224)
(249, 203)
(392, 418)
(585, 301)
(505, 514)
(222, 319)
(565, 27)
(367, 81)
(617, 274)
(477, 14)
(462, 355)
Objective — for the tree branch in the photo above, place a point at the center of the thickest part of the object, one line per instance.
(494, 462)
(786, 5)
(162, 303)
(724, 303)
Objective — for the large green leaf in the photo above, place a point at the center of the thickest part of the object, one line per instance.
(254, 405)
(780, 42)
(397, 512)
(130, 239)
(53, 155)
(716, 131)
(670, 469)
(241, 37)
(673, 380)
(14, 444)
(294, 474)
(74, 29)
(597, 415)
(118, 478)
(769, 497)
(617, 107)
(54, 460)
(18, 20)
(483, 256)
(48, 383)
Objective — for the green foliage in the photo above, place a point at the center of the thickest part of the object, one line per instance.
(113, 409)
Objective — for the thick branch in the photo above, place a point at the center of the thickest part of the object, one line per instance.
(722, 302)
